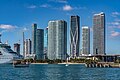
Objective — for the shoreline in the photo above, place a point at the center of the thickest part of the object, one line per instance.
(38, 63)
(58, 63)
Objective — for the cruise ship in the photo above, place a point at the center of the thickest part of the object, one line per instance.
(7, 55)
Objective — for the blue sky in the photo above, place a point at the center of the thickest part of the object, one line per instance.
(17, 16)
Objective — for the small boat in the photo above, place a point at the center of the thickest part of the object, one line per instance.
(21, 65)
(67, 63)
(18, 65)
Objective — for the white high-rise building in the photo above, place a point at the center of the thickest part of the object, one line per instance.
(85, 40)
(99, 33)
(27, 47)
(57, 39)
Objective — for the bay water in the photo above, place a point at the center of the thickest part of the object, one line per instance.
(57, 72)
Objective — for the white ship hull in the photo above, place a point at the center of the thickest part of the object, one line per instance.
(2, 61)
(7, 55)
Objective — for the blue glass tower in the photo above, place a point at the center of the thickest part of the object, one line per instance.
(34, 28)
(39, 44)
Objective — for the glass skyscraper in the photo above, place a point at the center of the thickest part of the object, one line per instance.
(45, 42)
(74, 36)
(39, 44)
(57, 40)
(85, 40)
(34, 28)
(99, 33)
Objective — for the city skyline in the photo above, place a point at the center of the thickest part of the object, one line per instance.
(26, 13)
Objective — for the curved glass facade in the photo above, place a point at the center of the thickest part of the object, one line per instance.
(74, 36)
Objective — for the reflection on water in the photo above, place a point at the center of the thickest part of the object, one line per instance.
(58, 72)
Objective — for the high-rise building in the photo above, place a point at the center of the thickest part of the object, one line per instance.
(57, 39)
(39, 44)
(34, 28)
(45, 42)
(17, 48)
(27, 47)
(99, 33)
(23, 45)
(74, 36)
(85, 40)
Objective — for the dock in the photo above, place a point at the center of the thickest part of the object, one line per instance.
(102, 65)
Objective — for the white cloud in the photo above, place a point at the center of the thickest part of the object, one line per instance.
(115, 24)
(115, 14)
(67, 8)
(7, 27)
(78, 8)
(115, 34)
(32, 6)
(62, 1)
(45, 5)
(58, 1)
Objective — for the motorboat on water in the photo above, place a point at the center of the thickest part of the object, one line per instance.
(19, 64)
(67, 63)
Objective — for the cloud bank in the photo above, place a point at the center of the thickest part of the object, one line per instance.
(7, 27)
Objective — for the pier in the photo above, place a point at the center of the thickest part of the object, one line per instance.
(102, 65)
